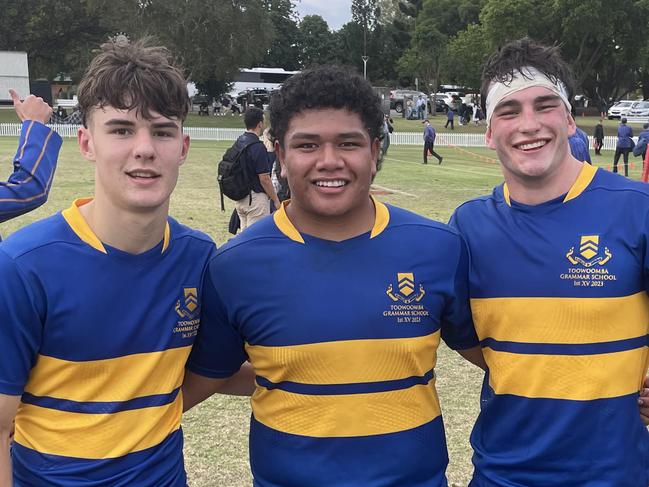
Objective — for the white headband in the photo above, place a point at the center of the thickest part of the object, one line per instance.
(526, 77)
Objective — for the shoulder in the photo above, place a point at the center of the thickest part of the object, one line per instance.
(49, 231)
(413, 226)
(255, 236)
(477, 206)
(609, 182)
(179, 231)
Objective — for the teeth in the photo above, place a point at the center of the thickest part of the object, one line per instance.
(330, 184)
(141, 175)
(533, 145)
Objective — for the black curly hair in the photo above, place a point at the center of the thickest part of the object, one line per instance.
(326, 87)
(503, 64)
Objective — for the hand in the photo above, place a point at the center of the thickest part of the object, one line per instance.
(31, 108)
(643, 402)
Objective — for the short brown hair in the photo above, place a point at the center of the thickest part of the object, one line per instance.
(136, 76)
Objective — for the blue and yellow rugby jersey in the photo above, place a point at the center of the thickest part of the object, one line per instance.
(34, 166)
(559, 300)
(95, 340)
(343, 337)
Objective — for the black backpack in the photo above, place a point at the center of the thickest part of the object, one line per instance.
(232, 175)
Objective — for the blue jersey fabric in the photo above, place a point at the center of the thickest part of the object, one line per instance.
(559, 300)
(33, 172)
(343, 337)
(579, 146)
(95, 340)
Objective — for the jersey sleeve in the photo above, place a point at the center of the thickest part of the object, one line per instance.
(34, 165)
(218, 350)
(20, 328)
(457, 325)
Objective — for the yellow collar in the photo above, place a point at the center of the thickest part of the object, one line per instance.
(79, 226)
(585, 177)
(381, 219)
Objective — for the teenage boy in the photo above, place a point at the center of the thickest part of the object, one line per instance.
(100, 303)
(563, 317)
(344, 318)
(35, 161)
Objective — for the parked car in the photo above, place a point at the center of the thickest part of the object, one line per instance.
(621, 109)
(258, 97)
(639, 109)
(398, 97)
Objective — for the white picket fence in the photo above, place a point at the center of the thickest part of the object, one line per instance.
(218, 134)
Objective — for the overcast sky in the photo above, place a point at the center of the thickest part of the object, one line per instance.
(335, 12)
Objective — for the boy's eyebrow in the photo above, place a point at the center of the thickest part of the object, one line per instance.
(122, 122)
(546, 98)
(119, 121)
(312, 136)
(507, 104)
(516, 103)
(163, 125)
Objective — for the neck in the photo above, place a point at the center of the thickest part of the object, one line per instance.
(335, 228)
(254, 131)
(127, 231)
(534, 190)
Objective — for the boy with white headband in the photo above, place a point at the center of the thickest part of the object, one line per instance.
(564, 320)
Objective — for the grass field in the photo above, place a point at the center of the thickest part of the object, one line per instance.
(216, 431)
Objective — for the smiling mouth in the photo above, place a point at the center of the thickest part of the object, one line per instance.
(531, 145)
(142, 174)
(331, 184)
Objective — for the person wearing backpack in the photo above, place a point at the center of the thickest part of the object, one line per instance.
(254, 160)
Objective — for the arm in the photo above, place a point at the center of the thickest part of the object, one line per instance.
(269, 189)
(474, 355)
(8, 408)
(643, 402)
(35, 161)
(196, 388)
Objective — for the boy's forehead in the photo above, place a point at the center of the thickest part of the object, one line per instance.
(325, 120)
(531, 93)
(106, 113)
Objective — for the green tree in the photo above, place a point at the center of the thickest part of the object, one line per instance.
(284, 50)
(317, 43)
(465, 57)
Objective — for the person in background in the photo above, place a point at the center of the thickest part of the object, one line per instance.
(598, 137)
(624, 145)
(429, 142)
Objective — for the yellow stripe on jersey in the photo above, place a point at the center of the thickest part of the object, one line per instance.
(346, 415)
(284, 224)
(116, 379)
(95, 436)
(585, 177)
(346, 361)
(561, 320)
(574, 377)
(78, 224)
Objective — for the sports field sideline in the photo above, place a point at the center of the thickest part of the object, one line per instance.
(216, 431)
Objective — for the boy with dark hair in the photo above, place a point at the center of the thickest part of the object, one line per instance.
(344, 320)
(256, 205)
(563, 318)
(100, 302)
